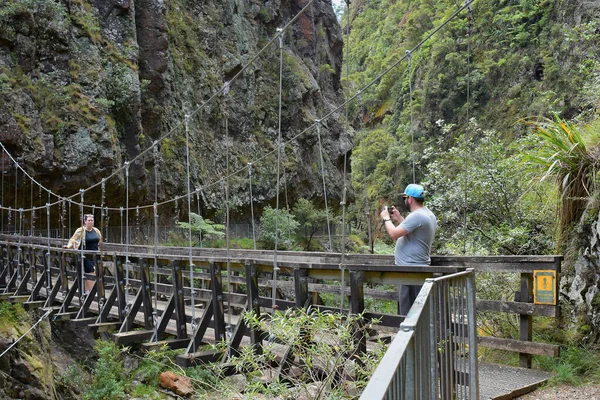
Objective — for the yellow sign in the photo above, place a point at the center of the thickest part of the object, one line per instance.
(544, 287)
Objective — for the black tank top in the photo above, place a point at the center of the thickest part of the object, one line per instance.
(91, 240)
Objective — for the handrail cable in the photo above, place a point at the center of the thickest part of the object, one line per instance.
(193, 113)
(324, 117)
(23, 335)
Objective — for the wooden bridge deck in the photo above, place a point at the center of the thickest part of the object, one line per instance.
(301, 273)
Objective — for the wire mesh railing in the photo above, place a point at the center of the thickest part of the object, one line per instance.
(434, 355)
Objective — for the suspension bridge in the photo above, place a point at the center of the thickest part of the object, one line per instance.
(176, 294)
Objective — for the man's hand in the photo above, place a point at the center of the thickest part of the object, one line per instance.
(395, 214)
(384, 213)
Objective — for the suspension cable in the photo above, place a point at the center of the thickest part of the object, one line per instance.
(467, 134)
(155, 311)
(412, 133)
(127, 304)
(279, 143)
(48, 259)
(228, 228)
(189, 203)
(324, 117)
(251, 204)
(324, 184)
(345, 188)
(82, 248)
(193, 113)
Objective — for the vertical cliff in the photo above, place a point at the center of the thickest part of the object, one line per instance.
(88, 84)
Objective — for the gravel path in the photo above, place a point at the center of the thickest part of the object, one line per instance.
(586, 392)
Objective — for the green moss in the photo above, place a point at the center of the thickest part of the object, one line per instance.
(22, 122)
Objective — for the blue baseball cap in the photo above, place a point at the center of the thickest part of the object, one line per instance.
(414, 190)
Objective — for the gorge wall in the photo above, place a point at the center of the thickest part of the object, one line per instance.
(87, 85)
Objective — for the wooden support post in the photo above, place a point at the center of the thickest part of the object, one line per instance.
(105, 304)
(12, 272)
(39, 284)
(357, 306)
(64, 278)
(203, 325)
(525, 321)
(130, 317)
(217, 300)
(31, 266)
(146, 293)
(301, 287)
(120, 288)
(99, 263)
(179, 300)
(254, 304)
(86, 303)
(164, 319)
(23, 285)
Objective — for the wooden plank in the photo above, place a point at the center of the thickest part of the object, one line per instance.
(518, 308)
(123, 338)
(199, 358)
(82, 321)
(526, 347)
(171, 344)
(32, 305)
(18, 299)
(105, 326)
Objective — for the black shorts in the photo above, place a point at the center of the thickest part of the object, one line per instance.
(88, 266)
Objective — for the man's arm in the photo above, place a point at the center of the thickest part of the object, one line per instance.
(394, 231)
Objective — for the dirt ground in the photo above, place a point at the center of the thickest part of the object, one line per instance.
(585, 392)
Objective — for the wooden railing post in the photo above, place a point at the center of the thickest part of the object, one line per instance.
(525, 321)
(146, 293)
(179, 300)
(217, 301)
(357, 306)
(301, 286)
(253, 303)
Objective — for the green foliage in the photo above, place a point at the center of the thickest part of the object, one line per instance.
(11, 315)
(107, 374)
(277, 225)
(482, 176)
(310, 219)
(323, 348)
(203, 226)
(576, 365)
(571, 156)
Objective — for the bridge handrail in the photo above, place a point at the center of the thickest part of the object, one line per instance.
(421, 361)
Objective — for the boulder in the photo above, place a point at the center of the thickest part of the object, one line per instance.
(181, 385)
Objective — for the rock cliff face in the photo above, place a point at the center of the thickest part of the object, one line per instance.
(87, 84)
(580, 286)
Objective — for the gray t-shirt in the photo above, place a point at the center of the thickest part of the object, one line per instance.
(415, 247)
